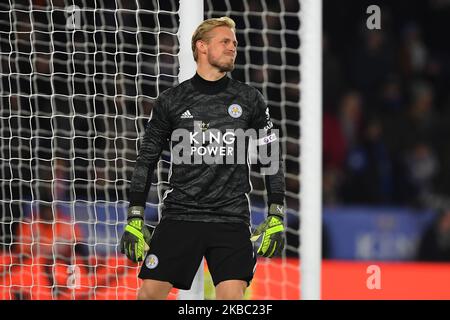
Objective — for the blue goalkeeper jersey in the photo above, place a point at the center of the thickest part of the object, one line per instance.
(204, 112)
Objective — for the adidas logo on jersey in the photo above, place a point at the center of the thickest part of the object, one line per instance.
(187, 115)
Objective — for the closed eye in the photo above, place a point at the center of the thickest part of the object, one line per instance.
(227, 41)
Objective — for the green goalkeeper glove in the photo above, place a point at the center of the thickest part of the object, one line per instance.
(272, 232)
(135, 240)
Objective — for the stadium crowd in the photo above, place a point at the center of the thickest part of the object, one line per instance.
(386, 104)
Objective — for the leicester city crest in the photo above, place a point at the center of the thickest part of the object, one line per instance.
(235, 110)
(151, 261)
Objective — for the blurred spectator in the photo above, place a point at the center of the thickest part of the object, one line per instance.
(413, 53)
(414, 138)
(417, 123)
(422, 115)
(334, 142)
(370, 64)
(421, 166)
(368, 176)
(340, 133)
(351, 117)
(392, 98)
(435, 244)
(48, 234)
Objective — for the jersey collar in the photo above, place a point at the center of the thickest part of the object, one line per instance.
(209, 87)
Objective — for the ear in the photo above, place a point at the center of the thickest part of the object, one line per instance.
(202, 46)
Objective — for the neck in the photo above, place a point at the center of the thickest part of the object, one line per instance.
(209, 86)
(209, 73)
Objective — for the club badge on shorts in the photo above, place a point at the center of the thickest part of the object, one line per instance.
(151, 261)
(235, 110)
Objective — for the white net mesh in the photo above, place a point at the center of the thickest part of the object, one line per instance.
(77, 86)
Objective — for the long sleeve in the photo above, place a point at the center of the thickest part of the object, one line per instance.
(157, 131)
(274, 180)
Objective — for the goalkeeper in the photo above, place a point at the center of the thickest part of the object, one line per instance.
(205, 213)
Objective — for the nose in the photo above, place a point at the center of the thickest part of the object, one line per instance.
(232, 46)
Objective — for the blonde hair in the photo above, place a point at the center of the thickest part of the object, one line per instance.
(201, 33)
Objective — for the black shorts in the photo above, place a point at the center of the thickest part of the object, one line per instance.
(178, 247)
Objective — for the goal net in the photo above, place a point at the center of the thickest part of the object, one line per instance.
(78, 81)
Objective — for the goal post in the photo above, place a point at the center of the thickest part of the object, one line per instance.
(190, 15)
(310, 193)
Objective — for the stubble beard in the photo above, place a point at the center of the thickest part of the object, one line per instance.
(221, 66)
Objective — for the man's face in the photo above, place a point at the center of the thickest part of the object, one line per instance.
(222, 49)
